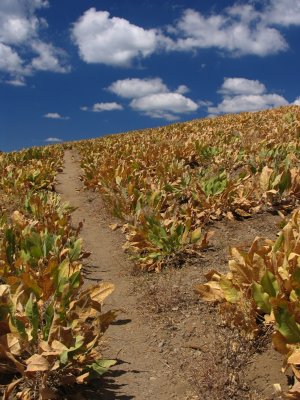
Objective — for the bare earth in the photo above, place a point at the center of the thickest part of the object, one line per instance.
(169, 344)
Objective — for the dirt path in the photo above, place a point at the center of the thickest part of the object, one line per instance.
(170, 344)
(142, 373)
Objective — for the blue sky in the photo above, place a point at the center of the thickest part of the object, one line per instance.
(79, 69)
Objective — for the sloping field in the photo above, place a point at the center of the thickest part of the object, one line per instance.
(181, 195)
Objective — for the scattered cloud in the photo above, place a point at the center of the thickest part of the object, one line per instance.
(152, 97)
(249, 102)
(55, 116)
(111, 40)
(233, 86)
(283, 12)
(20, 31)
(16, 82)
(100, 107)
(168, 106)
(239, 30)
(134, 88)
(240, 94)
(49, 58)
(53, 140)
(182, 89)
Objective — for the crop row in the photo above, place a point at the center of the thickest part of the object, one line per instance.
(166, 184)
(50, 327)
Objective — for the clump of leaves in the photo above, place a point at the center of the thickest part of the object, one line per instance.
(263, 287)
(50, 327)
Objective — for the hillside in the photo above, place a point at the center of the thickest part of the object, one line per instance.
(209, 205)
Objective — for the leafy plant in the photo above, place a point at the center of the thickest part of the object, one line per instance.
(266, 279)
(232, 166)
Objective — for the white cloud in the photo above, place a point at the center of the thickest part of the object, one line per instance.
(251, 102)
(297, 101)
(152, 97)
(242, 86)
(10, 60)
(16, 82)
(283, 12)
(20, 37)
(100, 107)
(239, 30)
(164, 105)
(134, 88)
(18, 22)
(49, 58)
(111, 40)
(240, 94)
(182, 89)
(53, 140)
(55, 116)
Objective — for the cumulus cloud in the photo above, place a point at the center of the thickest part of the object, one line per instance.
(55, 115)
(152, 97)
(111, 40)
(242, 86)
(20, 29)
(249, 102)
(100, 107)
(240, 94)
(283, 12)
(49, 58)
(10, 60)
(164, 105)
(239, 30)
(53, 140)
(134, 88)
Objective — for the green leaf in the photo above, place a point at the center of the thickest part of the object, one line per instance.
(32, 313)
(286, 324)
(270, 284)
(278, 243)
(231, 294)
(261, 298)
(75, 250)
(102, 366)
(285, 181)
(62, 275)
(11, 245)
(48, 317)
(196, 235)
(64, 356)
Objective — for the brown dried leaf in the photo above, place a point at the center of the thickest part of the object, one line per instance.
(37, 363)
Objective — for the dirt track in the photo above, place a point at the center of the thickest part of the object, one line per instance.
(170, 345)
(142, 374)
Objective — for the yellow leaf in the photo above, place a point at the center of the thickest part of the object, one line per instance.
(210, 291)
(264, 180)
(196, 235)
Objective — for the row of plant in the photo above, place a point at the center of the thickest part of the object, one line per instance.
(50, 327)
(167, 183)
